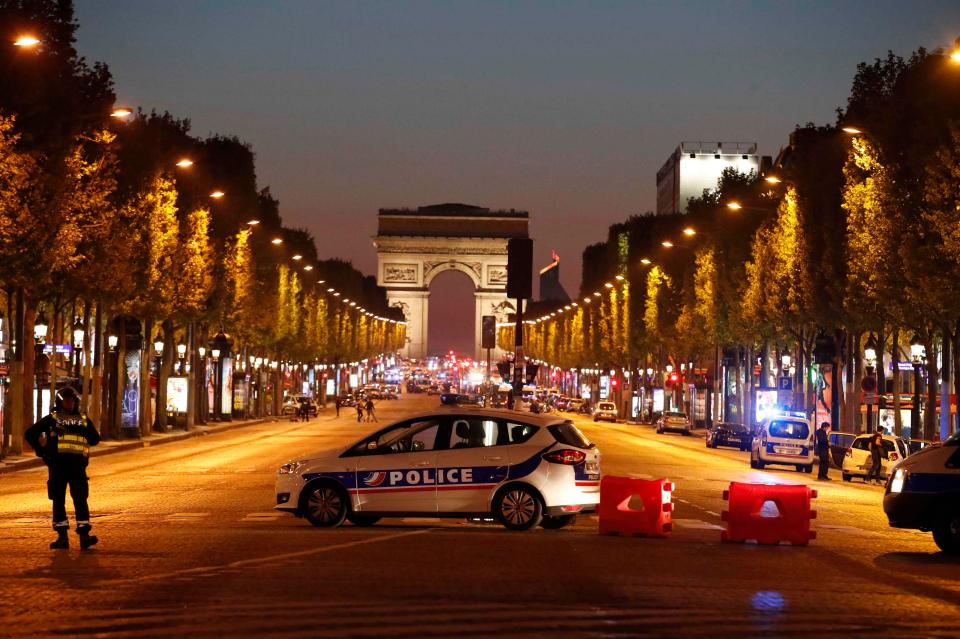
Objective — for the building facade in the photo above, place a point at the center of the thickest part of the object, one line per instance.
(695, 166)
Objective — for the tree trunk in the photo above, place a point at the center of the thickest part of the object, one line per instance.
(956, 372)
(897, 381)
(854, 366)
(943, 428)
(163, 372)
(930, 410)
(146, 406)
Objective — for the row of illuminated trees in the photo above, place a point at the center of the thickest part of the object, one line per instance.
(112, 212)
(847, 252)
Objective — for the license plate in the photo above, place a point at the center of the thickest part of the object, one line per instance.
(592, 467)
(784, 450)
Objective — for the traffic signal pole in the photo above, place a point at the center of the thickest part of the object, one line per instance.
(518, 362)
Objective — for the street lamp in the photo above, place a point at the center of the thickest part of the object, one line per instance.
(26, 42)
(78, 332)
(182, 353)
(869, 384)
(40, 327)
(916, 356)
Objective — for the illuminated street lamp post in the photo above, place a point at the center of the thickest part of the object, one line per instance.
(916, 356)
(869, 384)
(203, 396)
(78, 333)
(40, 327)
(159, 418)
(182, 353)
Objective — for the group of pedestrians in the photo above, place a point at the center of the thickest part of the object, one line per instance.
(875, 447)
(366, 411)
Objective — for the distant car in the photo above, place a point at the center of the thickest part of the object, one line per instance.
(728, 434)
(858, 460)
(674, 420)
(606, 411)
(391, 391)
(459, 399)
(839, 443)
(293, 403)
(433, 390)
(573, 405)
(783, 439)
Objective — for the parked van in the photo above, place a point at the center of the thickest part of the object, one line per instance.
(923, 493)
(783, 439)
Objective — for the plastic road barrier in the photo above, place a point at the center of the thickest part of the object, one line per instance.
(636, 507)
(768, 513)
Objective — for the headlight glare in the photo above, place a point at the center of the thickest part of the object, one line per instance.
(899, 478)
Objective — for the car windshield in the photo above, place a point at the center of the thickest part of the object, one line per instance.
(567, 433)
(605, 406)
(789, 429)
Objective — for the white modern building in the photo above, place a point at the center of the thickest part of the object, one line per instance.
(695, 166)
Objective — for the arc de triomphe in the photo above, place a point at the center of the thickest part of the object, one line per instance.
(415, 245)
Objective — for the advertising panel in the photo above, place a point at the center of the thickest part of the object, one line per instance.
(240, 395)
(226, 397)
(177, 390)
(824, 390)
(658, 400)
(604, 386)
(331, 388)
(130, 400)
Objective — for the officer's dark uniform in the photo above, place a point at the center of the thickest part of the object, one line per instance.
(823, 452)
(69, 436)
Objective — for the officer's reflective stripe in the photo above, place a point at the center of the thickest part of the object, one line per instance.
(73, 444)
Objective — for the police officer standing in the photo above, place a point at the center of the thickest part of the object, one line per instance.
(823, 450)
(876, 452)
(63, 439)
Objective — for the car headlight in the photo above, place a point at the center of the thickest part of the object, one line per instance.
(289, 468)
(899, 478)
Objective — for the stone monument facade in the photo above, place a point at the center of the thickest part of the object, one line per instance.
(415, 245)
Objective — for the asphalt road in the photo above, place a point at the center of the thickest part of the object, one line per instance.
(190, 546)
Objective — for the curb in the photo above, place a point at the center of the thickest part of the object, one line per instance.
(135, 444)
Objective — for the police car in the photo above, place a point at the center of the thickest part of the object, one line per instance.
(522, 469)
(924, 493)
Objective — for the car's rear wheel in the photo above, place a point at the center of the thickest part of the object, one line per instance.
(325, 505)
(555, 523)
(808, 468)
(518, 508)
(360, 519)
(946, 530)
(760, 464)
(847, 476)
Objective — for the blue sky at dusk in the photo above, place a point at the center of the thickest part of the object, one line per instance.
(565, 109)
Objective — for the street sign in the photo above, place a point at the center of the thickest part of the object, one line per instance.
(785, 383)
(870, 399)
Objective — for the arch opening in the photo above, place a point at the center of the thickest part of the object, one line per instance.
(451, 315)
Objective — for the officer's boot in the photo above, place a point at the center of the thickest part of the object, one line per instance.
(62, 540)
(86, 539)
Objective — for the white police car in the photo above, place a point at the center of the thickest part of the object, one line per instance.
(523, 469)
(924, 493)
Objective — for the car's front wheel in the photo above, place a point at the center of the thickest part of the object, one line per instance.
(518, 508)
(946, 530)
(325, 506)
(555, 523)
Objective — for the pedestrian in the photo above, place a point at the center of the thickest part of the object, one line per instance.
(823, 450)
(338, 406)
(876, 452)
(359, 411)
(63, 439)
(371, 413)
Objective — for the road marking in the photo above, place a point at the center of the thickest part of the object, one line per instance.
(267, 516)
(203, 570)
(696, 524)
(186, 516)
(710, 512)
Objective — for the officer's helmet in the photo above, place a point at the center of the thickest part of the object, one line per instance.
(64, 393)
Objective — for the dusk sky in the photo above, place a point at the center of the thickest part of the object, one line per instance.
(564, 109)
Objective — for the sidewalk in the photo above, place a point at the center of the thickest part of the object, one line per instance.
(110, 446)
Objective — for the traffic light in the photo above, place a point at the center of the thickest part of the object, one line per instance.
(520, 268)
(673, 378)
(613, 382)
(488, 331)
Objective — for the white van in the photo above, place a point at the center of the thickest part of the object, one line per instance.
(924, 493)
(783, 439)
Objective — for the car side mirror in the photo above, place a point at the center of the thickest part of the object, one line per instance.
(371, 445)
